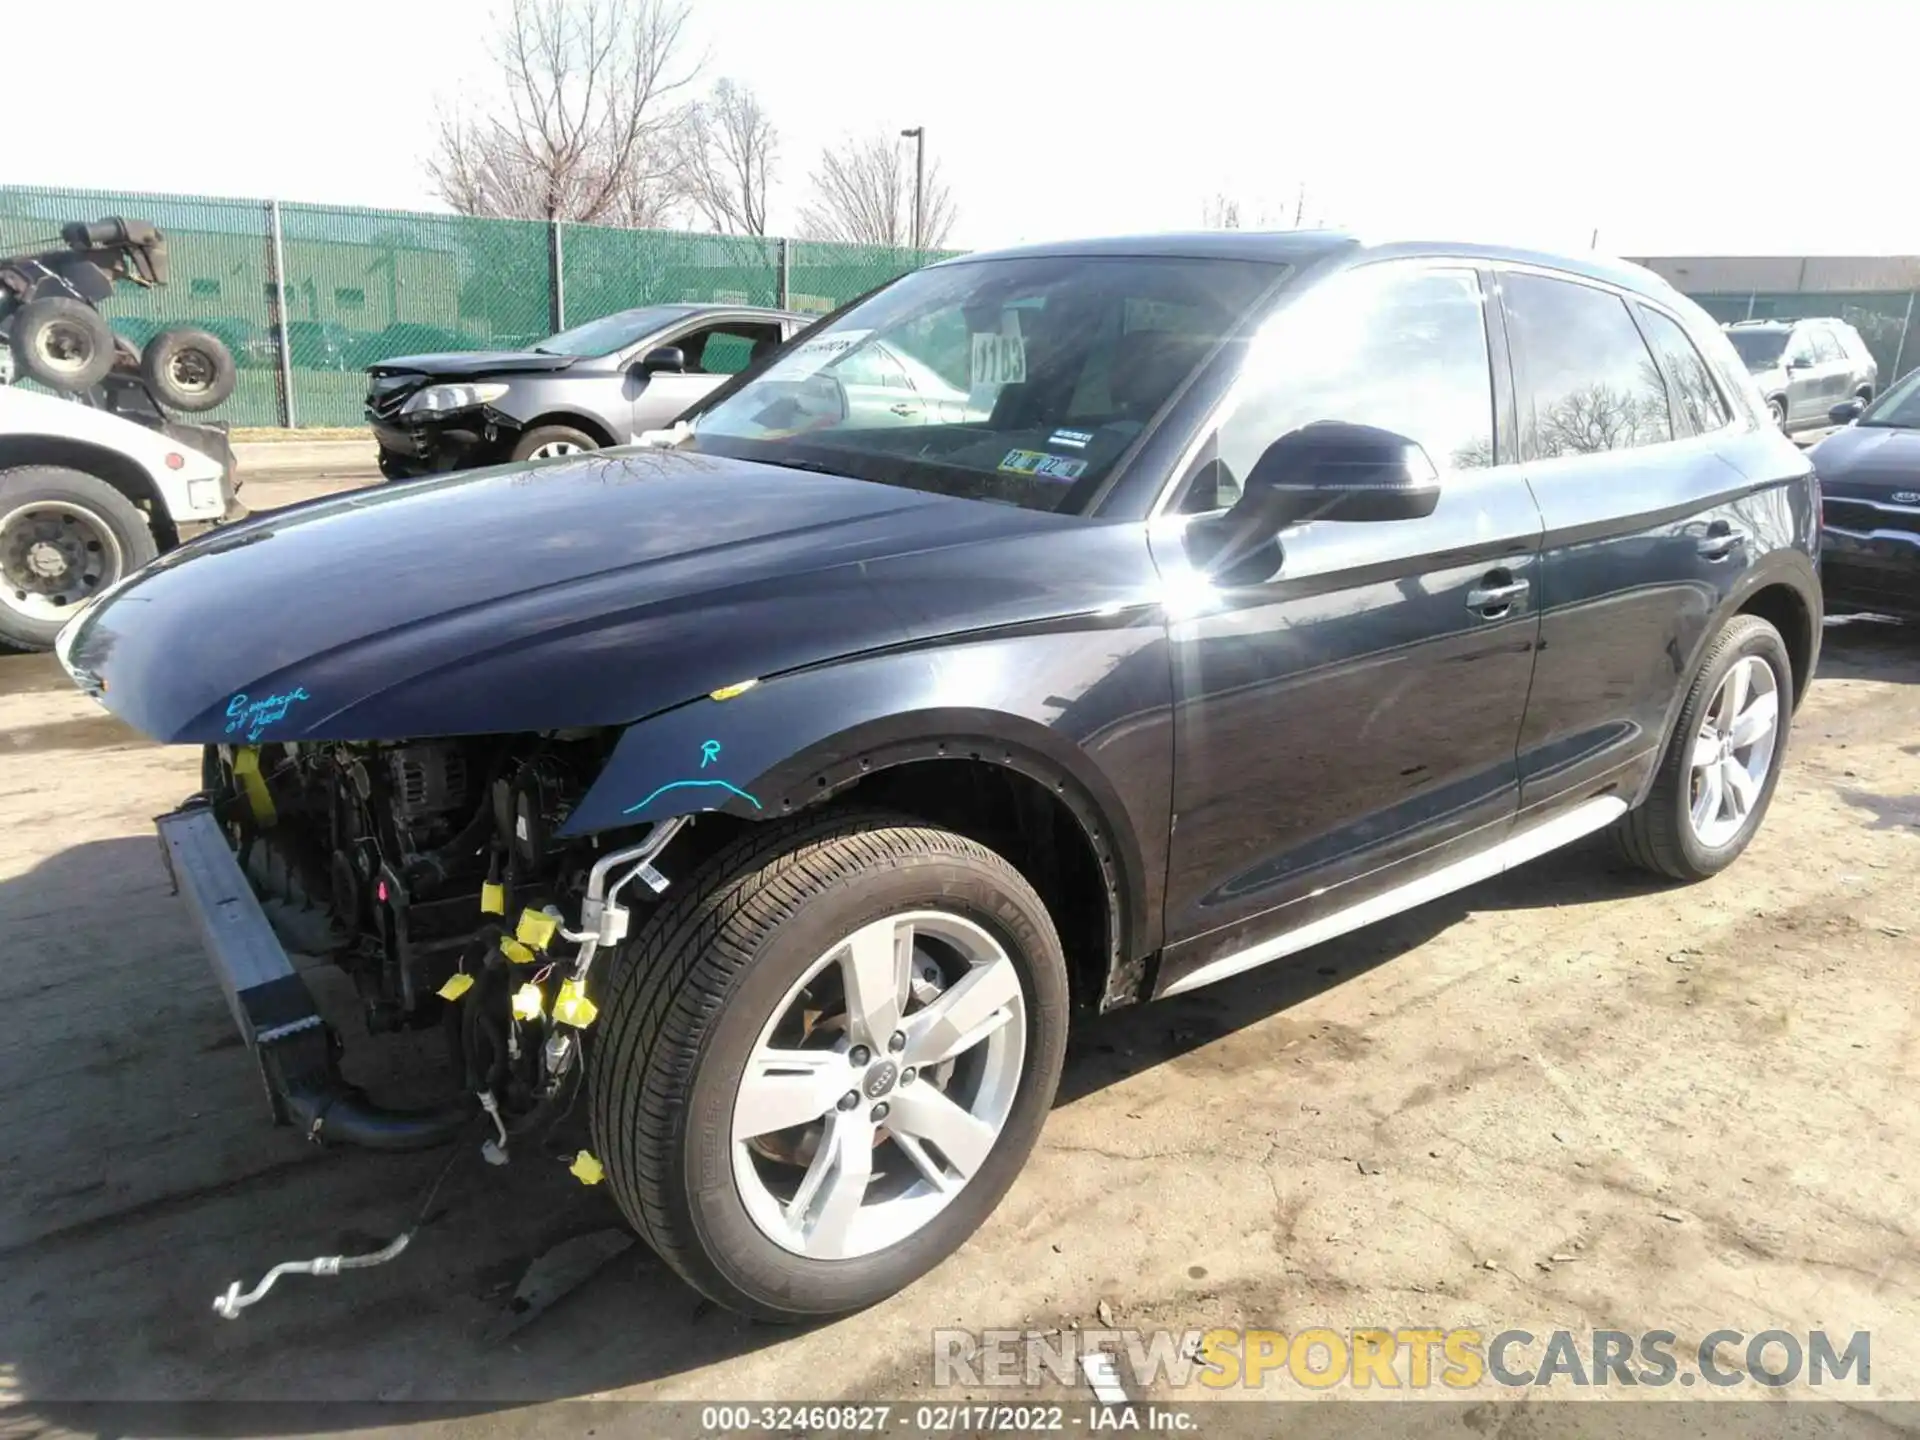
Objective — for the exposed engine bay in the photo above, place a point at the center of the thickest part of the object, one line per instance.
(429, 871)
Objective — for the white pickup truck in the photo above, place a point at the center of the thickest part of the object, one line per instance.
(87, 498)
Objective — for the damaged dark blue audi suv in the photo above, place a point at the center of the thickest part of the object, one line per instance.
(783, 786)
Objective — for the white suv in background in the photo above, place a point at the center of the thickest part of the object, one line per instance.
(1805, 367)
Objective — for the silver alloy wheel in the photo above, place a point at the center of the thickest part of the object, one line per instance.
(556, 447)
(1733, 752)
(879, 1085)
(64, 347)
(54, 557)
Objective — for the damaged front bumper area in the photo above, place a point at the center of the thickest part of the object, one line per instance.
(297, 1052)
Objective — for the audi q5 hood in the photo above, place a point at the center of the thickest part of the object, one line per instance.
(587, 592)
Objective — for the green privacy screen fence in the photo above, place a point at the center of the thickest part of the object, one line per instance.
(363, 285)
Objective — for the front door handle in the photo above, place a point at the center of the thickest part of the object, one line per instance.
(1720, 541)
(904, 407)
(1496, 595)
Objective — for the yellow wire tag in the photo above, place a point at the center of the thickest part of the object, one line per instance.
(527, 1002)
(516, 952)
(493, 899)
(572, 1007)
(586, 1169)
(457, 985)
(536, 928)
(246, 765)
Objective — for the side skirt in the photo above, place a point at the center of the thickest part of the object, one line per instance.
(1515, 850)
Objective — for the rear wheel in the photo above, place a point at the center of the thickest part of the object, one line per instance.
(62, 343)
(1723, 759)
(1777, 408)
(820, 1069)
(65, 536)
(544, 442)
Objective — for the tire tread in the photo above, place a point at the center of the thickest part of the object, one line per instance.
(670, 981)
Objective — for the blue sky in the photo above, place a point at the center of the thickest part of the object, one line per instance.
(1697, 126)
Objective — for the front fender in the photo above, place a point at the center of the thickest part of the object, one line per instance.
(1084, 707)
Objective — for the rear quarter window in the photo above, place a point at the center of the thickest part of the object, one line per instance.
(1700, 409)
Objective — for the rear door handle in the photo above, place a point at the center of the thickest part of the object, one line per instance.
(1494, 601)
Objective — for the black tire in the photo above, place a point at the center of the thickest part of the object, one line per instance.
(188, 370)
(1657, 836)
(684, 1004)
(62, 343)
(1777, 408)
(528, 446)
(85, 501)
(392, 467)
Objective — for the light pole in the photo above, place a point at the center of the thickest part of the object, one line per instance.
(918, 134)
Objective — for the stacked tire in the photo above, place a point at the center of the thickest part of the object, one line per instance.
(66, 345)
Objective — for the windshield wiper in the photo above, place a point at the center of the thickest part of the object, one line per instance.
(813, 466)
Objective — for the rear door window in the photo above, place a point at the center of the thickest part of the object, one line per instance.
(1827, 346)
(1702, 408)
(1588, 383)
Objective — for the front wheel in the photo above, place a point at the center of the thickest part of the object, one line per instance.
(1777, 411)
(65, 536)
(547, 442)
(1722, 762)
(819, 1070)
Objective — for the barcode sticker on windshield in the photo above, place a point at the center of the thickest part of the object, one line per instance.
(1046, 467)
(999, 359)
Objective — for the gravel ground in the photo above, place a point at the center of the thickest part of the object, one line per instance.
(1565, 1099)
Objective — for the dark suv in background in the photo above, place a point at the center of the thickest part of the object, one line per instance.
(1870, 504)
(1254, 588)
(1805, 367)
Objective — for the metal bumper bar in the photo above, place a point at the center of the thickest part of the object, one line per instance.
(271, 1004)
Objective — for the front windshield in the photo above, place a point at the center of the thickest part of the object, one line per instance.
(1759, 348)
(1021, 380)
(1899, 408)
(602, 337)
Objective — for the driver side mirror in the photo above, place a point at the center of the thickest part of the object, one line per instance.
(664, 360)
(1332, 470)
(1799, 362)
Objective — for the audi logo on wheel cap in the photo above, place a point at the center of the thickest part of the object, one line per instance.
(880, 1079)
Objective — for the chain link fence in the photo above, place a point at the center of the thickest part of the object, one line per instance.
(361, 286)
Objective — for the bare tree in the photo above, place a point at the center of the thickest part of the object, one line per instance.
(863, 195)
(1221, 212)
(731, 148)
(588, 130)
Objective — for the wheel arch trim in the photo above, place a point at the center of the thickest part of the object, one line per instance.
(799, 740)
